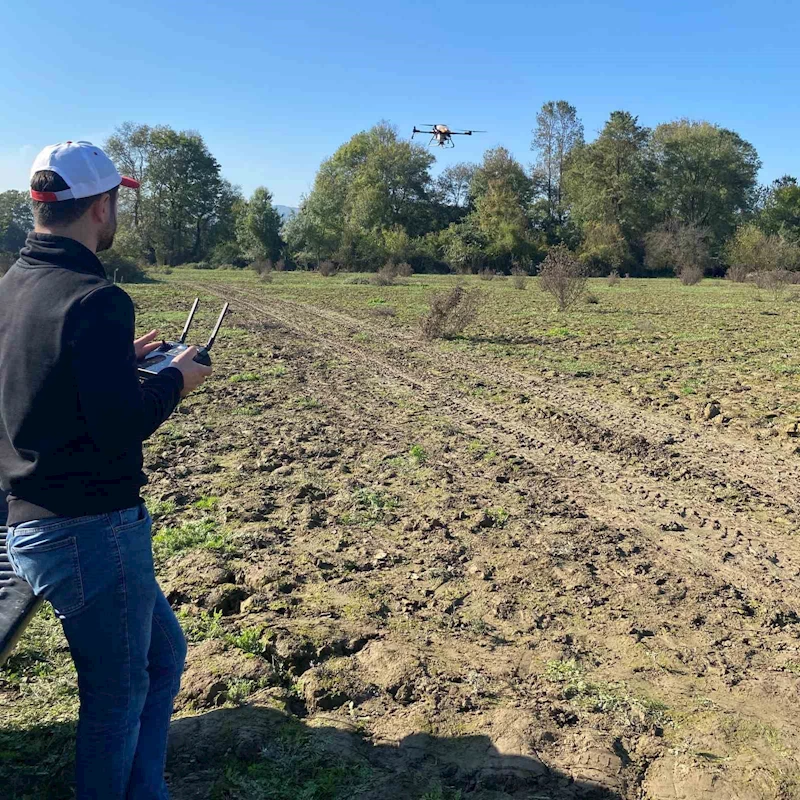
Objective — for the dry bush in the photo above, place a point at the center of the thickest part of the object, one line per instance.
(327, 269)
(613, 278)
(263, 268)
(592, 299)
(487, 275)
(404, 270)
(773, 281)
(563, 276)
(384, 276)
(691, 276)
(280, 265)
(738, 273)
(519, 279)
(682, 247)
(383, 311)
(451, 312)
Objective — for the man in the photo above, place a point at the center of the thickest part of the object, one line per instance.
(73, 416)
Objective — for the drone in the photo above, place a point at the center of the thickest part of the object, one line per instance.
(442, 135)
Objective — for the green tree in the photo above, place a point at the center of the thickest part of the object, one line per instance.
(499, 167)
(171, 217)
(258, 227)
(781, 212)
(16, 220)
(557, 133)
(609, 183)
(371, 184)
(705, 176)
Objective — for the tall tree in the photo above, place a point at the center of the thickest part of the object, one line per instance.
(609, 182)
(170, 218)
(500, 167)
(558, 131)
(705, 175)
(372, 183)
(453, 184)
(258, 227)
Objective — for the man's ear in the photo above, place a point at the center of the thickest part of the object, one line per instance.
(101, 209)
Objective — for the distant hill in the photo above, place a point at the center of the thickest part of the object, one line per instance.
(286, 212)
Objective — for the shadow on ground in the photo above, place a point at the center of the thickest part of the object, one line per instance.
(253, 752)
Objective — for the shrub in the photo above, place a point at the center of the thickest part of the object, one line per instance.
(327, 269)
(613, 278)
(751, 250)
(263, 268)
(773, 280)
(383, 311)
(737, 273)
(486, 274)
(450, 313)
(120, 269)
(678, 246)
(280, 265)
(384, 276)
(690, 276)
(519, 279)
(404, 270)
(563, 276)
(592, 299)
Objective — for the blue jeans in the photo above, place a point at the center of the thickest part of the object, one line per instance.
(127, 645)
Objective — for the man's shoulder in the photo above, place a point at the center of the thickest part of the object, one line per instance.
(105, 297)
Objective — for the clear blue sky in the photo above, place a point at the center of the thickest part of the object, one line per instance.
(275, 87)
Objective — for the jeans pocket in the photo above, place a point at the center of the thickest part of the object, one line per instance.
(130, 518)
(51, 567)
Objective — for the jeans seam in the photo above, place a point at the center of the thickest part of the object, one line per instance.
(77, 562)
(125, 623)
(178, 667)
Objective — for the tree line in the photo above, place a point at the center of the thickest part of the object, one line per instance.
(679, 197)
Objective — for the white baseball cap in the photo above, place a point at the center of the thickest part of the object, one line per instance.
(85, 168)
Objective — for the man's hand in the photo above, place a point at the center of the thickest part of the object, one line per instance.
(145, 344)
(194, 374)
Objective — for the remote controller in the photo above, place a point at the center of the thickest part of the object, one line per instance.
(166, 353)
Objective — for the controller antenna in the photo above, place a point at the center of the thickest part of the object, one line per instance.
(214, 333)
(188, 324)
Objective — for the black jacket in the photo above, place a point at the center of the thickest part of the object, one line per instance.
(72, 412)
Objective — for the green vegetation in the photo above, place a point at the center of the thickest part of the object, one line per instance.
(292, 768)
(674, 198)
(418, 455)
(197, 533)
(595, 696)
(245, 377)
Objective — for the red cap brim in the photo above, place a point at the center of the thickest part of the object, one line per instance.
(130, 183)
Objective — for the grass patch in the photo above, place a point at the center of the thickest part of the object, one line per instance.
(160, 508)
(292, 768)
(369, 506)
(244, 377)
(418, 455)
(602, 697)
(199, 533)
(202, 626)
(249, 640)
(208, 503)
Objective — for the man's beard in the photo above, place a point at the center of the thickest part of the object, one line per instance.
(106, 236)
